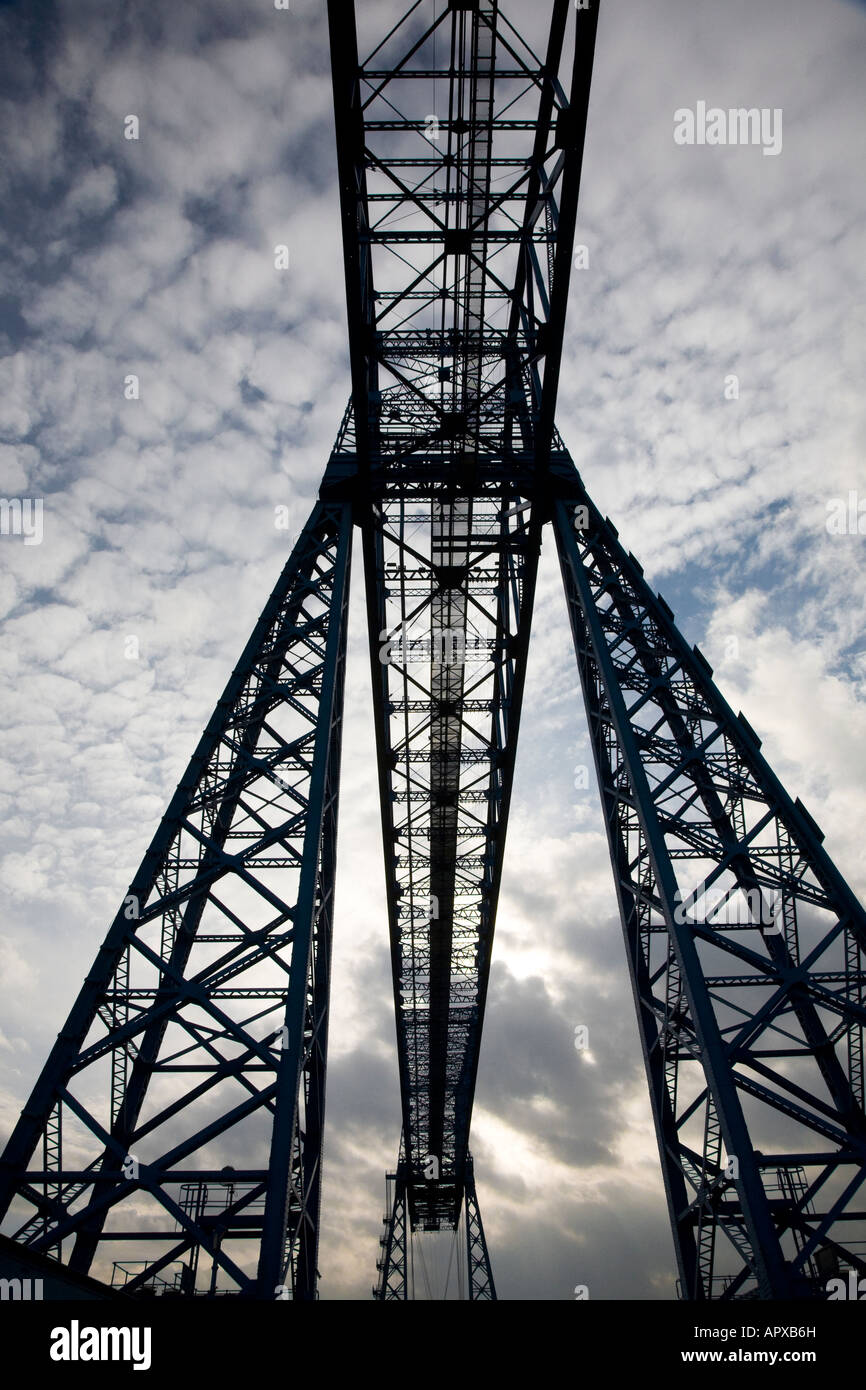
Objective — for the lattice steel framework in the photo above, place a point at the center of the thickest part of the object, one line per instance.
(203, 1022)
(456, 291)
(396, 1281)
(459, 160)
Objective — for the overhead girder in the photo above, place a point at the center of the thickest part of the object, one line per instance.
(455, 354)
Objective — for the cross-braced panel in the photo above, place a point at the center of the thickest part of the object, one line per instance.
(182, 1105)
(745, 945)
(459, 149)
(450, 654)
(479, 1273)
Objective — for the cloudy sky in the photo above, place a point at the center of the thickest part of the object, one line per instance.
(155, 257)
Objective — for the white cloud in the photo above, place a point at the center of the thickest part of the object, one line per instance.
(156, 257)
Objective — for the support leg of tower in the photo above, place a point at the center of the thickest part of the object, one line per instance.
(734, 997)
(212, 983)
(480, 1283)
(393, 1263)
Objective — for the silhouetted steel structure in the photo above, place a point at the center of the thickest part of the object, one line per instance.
(201, 1030)
(395, 1266)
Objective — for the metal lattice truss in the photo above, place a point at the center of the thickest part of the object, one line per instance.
(745, 944)
(479, 1273)
(459, 155)
(201, 1030)
(393, 1263)
(396, 1271)
(181, 1110)
(447, 728)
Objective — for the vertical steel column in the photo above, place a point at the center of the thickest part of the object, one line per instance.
(393, 1264)
(304, 1053)
(480, 1285)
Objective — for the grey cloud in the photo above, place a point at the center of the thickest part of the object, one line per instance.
(156, 258)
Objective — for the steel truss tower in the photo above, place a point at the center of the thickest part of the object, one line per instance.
(200, 1032)
(396, 1275)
